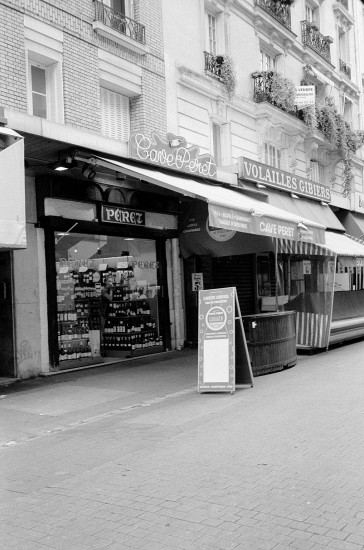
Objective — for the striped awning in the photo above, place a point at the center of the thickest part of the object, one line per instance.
(284, 246)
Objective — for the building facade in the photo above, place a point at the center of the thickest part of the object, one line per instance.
(115, 93)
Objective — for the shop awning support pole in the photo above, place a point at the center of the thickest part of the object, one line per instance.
(176, 291)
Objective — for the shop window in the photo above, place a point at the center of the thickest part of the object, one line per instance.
(45, 95)
(107, 297)
(263, 275)
(272, 155)
(115, 114)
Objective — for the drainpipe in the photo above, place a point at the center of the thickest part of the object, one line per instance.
(176, 281)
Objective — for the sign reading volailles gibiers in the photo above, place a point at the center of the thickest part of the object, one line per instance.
(273, 177)
(116, 214)
(173, 153)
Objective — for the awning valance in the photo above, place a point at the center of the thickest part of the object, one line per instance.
(12, 185)
(228, 209)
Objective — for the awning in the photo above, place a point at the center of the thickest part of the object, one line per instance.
(12, 185)
(344, 245)
(353, 223)
(311, 209)
(228, 209)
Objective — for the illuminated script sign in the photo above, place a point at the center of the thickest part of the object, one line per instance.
(173, 153)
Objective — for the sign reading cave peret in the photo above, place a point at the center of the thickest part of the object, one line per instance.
(115, 214)
(173, 153)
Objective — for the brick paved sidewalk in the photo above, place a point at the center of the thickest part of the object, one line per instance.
(278, 466)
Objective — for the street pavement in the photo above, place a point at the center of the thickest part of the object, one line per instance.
(131, 456)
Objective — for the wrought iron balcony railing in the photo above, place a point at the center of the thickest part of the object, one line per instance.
(312, 37)
(345, 3)
(262, 92)
(345, 68)
(119, 22)
(278, 10)
(213, 64)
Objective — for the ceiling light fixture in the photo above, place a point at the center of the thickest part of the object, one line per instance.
(63, 164)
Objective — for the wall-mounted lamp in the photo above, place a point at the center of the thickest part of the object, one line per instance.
(324, 203)
(302, 226)
(88, 171)
(255, 213)
(294, 196)
(261, 186)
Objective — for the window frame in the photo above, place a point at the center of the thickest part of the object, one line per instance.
(272, 153)
(31, 64)
(126, 99)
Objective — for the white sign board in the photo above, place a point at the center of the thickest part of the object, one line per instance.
(305, 96)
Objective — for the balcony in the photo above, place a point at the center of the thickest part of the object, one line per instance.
(312, 37)
(263, 81)
(280, 11)
(345, 68)
(116, 26)
(213, 64)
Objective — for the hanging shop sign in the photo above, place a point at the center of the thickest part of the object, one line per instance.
(223, 357)
(305, 96)
(279, 179)
(124, 216)
(171, 152)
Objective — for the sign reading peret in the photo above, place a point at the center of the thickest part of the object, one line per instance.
(273, 177)
(171, 152)
(223, 357)
(116, 214)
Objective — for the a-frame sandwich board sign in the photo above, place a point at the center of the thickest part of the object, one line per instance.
(223, 356)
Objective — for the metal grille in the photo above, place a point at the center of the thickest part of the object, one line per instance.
(315, 40)
(119, 22)
(280, 11)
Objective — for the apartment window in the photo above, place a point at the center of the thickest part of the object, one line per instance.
(125, 7)
(115, 115)
(316, 171)
(268, 62)
(311, 14)
(272, 156)
(45, 90)
(39, 91)
(343, 46)
(348, 111)
(216, 143)
(212, 33)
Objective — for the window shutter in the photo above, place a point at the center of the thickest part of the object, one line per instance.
(55, 93)
(115, 116)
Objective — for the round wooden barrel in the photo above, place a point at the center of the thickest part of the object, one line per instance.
(271, 340)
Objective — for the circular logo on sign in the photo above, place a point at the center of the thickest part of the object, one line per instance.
(216, 318)
(220, 235)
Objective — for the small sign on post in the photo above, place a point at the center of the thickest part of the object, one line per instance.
(197, 282)
(223, 357)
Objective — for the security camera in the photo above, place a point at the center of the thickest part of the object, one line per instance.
(302, 226)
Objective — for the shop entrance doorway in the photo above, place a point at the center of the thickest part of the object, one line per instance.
(7, 345)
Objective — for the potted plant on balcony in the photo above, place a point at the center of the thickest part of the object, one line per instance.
(227, 74)
(282, 92)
